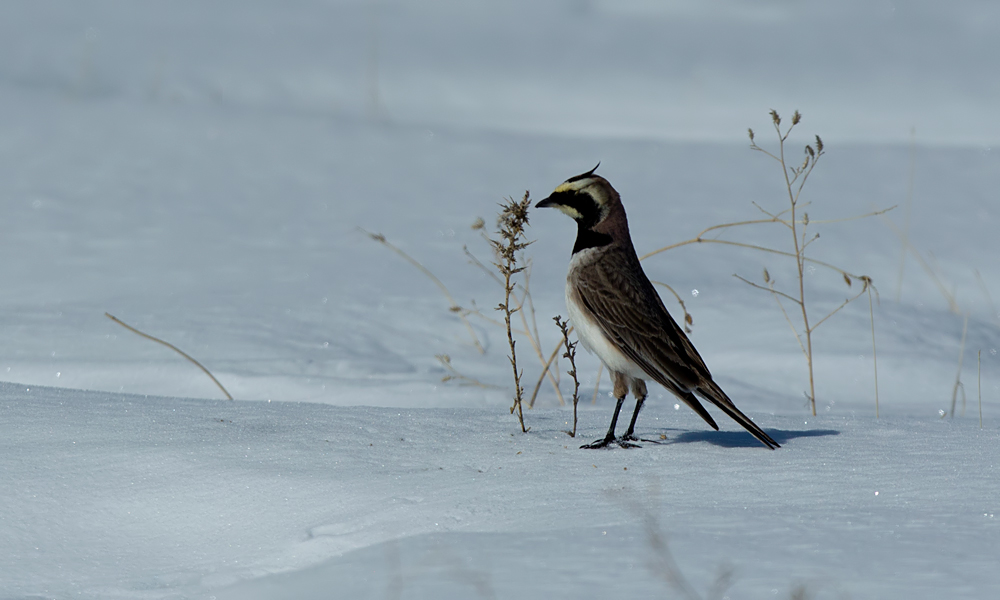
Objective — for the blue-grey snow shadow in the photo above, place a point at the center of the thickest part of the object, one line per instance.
(743, 439)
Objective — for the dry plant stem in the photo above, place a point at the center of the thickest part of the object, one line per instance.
(700, 239)
(518, 390)
(794, 198)
(546, 363)
(597, 386)
(453, 306)
(795, 179)
(172, 347)
(775, 293)
(571, 356)
(958, 376)
(545, 369)
(513, 219)
(454, 374)
(871, 314)
(533, 338)
(688, 319)
(807, 259)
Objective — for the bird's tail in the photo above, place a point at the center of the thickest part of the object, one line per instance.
(714, 394)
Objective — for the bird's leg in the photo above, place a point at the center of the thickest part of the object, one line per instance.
(610, 437)
(639, 391)
(620, 391)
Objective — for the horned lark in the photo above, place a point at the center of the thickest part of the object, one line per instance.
(619, 316)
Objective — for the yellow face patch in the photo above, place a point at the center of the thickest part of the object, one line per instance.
(569, 210)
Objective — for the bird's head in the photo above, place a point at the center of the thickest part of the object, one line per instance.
(587, 198)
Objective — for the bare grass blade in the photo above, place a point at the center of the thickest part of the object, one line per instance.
(452, 305)
(172, 347)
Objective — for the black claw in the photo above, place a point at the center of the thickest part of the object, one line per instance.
(602, 443)
(605, 442)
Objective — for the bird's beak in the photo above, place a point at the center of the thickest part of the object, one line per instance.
(546, 203)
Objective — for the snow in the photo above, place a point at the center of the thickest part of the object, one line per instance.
(202, 171)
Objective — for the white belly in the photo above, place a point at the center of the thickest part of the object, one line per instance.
(594, 340)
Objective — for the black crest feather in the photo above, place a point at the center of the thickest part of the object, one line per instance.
(583, 175)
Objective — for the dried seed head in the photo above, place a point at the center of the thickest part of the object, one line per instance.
(750, 131)
(767, 276)
(688, 319)
(810, 152)
(479, 223)
(796, 118)
(775, 118)
(805, 218)
(847, 280)
(819, 145)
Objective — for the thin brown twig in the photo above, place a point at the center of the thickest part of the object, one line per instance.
(597, 386)
(475, 261)
(767, 289)
(454, 374)
(751, 246)
(788, 319)
(571, 356)
(836, 310)
(453, 306)
(535, 341)
(688, 319)
(545, 369)
(172, 347)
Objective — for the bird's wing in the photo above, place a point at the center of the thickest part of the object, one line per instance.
(631, 315)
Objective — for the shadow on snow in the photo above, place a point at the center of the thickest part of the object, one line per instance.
(743, 439)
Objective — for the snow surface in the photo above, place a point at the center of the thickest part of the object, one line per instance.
(201, 170)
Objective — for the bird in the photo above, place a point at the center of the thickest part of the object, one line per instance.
(618, 315)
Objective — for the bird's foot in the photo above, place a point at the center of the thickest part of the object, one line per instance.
(608, 441)
(631, 437)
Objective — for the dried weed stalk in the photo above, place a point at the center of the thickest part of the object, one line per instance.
(452, 305)
(454, 375)
(570, 355)
(172, 347)
(510, 230)
(796, 221)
